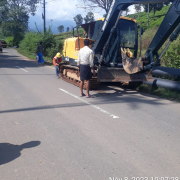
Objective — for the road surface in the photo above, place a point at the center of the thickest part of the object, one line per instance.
(48, 132)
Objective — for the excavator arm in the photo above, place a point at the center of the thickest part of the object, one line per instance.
(167, 27)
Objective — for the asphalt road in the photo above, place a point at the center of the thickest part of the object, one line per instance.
(49, 133)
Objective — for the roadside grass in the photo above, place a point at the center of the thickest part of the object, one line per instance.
(160, 92)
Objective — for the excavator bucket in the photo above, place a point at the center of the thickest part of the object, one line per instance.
(130, 64)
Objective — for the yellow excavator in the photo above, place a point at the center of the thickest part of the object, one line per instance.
(114, 41)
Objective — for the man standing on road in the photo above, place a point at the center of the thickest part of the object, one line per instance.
(85, 64)
(56, 61)
(39, 53)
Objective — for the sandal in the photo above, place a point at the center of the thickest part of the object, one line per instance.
(90, 96)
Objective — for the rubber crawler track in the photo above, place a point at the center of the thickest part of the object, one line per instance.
(94, 83)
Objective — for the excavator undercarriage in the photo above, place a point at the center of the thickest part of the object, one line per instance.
(71, 74)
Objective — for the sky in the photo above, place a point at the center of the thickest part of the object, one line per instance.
(61, 12)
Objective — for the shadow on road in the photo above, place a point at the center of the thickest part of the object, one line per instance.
(133, 101)
(115, 89)
(27, 75)
(3, 52)
(9, 152)
(11, 61)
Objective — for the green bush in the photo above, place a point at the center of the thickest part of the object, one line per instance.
(172, 55)
(9, 41)
(31, 41)
(50, 45)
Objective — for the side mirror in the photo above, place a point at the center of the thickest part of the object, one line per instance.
(77, 31)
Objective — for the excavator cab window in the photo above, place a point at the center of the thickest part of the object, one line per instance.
(125, 36)
(128, 36)
(89, 29)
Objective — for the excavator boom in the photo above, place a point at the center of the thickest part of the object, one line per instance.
(168, 25)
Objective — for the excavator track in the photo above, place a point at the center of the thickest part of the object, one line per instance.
(71, 74)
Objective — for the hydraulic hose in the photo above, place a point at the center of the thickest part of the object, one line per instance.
(168, 73)
(173, 85)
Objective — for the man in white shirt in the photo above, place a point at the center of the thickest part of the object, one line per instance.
(85, 64)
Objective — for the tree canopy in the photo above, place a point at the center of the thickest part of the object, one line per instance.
(127, 11)
(89, 17)
(61, 28)
(137, 7)
(78, 20)
(14, 16)
(91, 5)
(67, 30)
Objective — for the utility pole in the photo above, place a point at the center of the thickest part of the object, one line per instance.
(44, 16)
(148, 15)
(51, 23)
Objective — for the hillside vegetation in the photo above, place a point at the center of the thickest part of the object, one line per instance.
(153, 21)
(172, 55)
(51, 45)
(65, 35)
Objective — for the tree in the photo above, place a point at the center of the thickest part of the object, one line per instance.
(78, 20)
(89, 17)
(126, 11)
(137, 7)
(146, 7)
(91, 5)
(155, 7)
(14, 16)
(61, 28)
(67, 30)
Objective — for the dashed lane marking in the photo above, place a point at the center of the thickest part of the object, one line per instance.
(94, 106)
(22, 69)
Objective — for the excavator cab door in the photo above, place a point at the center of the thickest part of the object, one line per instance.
(124, 37)
(128, 35)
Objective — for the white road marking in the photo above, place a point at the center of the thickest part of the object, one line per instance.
(22, 69)
(96, 107)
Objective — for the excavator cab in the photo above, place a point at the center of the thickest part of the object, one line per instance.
(124, 39)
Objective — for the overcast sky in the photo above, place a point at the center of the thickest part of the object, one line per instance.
(63, 10)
